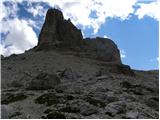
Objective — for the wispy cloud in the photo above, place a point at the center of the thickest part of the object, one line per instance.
(154, 59)
(37, 10)
(152, 10)
(20, 37)
(105, 36)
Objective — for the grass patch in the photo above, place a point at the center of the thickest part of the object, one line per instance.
(68, 109)
(69, 97)
(10, 98)
(56, 115)
(48, 98)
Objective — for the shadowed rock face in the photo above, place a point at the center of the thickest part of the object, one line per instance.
(57, 32)
(61, 34)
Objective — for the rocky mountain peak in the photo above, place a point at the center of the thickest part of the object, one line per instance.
(60, 34)
(54, 15)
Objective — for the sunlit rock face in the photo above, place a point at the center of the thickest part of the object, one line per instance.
(61, 34)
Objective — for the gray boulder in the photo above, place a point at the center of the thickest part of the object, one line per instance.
(6, 111)
(131, 115)
(115, 108)
(153, 102)
(84, 108)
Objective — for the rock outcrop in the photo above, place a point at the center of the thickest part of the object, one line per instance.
(60, 34)
(57, 32)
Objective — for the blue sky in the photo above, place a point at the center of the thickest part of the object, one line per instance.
(133, 25)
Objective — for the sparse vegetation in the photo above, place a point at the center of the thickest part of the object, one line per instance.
(69, 109)
(69, 97)
(56, 115)
(9, 98)
(48, 99)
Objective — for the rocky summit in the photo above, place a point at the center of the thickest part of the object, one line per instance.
(60, 34)
(67, 76)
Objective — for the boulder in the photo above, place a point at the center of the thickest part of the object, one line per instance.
(6, 111)
(82, 107)
(69, 74)
(131, 115)
(115, 108)
(153, 102)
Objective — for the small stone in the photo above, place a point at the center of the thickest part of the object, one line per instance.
(83, 107)
(69, 74)
(6, 111)
(153, 102)
(115, 108)
(16, 114)
(101, 77)
(87, 110)
(95, 102)
(131, 115)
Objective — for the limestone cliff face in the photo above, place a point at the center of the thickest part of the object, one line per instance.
(58, 33)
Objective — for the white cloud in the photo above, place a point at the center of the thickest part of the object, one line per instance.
(151, 60)
(80, 11)
(154, 59)
(9, 10)
(20, 37)
(10, 50)
(37, 10)
(122, 54)
(105, 36)
(3, 11)
(152, 10)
